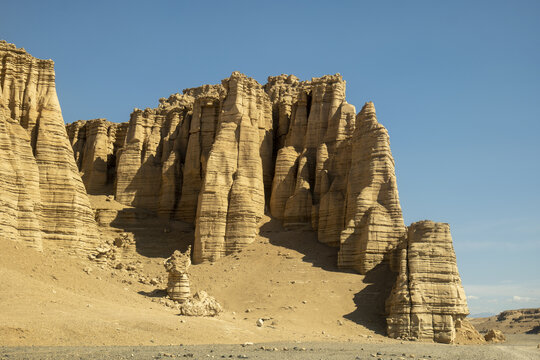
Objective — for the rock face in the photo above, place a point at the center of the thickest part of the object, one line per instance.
(220, 156)
(42, 198)
(178, 284)
(334, 170)
(231, 201)
(95, 144)
(427, 298)
(204, 157)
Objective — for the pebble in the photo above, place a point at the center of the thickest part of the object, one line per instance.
(260, 322)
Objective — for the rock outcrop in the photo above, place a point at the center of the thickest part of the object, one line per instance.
(95, 144)
(42, 199)
(200, 304)
(335, 170)
(427, 299)
(231, 200)
(495, 336)
(177, 267)
(149, 167)
(220, 156)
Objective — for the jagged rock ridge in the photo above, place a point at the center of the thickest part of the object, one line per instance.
(42, 198)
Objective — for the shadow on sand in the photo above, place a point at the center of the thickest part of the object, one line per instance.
(370, 301)
(154, 236)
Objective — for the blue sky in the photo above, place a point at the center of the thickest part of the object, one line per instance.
(457, 84)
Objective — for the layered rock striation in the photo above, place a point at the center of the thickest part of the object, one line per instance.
(178, 280)
(95, 144)
(335, 170)
(427, 299)
(221, 156)
(42, 199)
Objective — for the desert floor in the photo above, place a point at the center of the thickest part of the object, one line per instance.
(58, 306)
(517, 347)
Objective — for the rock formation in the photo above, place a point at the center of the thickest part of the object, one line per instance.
(42, 198)
(334, 170)
(427, 298)
(200, 304)
(95, 143)
(495, 336)
(219, 156)
(231, 201)
(177, 267)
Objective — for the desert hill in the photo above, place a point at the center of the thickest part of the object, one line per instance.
(521, 321)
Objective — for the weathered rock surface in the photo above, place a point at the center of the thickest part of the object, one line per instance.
(149, 168)
(520, 321)
(95, 144)
(231, 201)
(203, 157)
(42, 198)
(200, 304)
(373, 218)
(178, 284)
(219, 156)
(495, 336)
(427, 299)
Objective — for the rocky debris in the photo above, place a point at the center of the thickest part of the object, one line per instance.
(177, 267)
(43, 200)
(112, 251)
(200, 304)
(427, 299)
(494, 336)
(466, 333)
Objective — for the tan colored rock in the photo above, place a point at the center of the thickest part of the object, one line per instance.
(149, 162)
(201, 304)
(466, 333)
(374, 222)
(231, 201)
(202, 132)
(495, 336)
(313, 120)
(427, 299)
(95, 144)
(42, 198)
(178, 284)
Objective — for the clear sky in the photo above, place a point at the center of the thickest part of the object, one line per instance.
(456, 83)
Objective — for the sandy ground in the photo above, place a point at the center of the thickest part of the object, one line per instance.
(519, 347)
(51, 299)
(54, 306)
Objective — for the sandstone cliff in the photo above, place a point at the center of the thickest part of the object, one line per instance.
(43, 200)
(220, 156)
(231, 201)
(427, 299)
(335, 170)
(95, 144)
